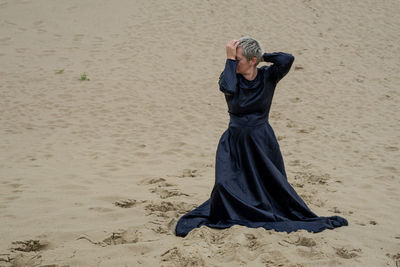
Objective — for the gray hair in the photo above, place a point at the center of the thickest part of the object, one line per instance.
(251, 48)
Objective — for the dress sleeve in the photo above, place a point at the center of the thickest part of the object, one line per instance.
(281, 64)
(227, 80)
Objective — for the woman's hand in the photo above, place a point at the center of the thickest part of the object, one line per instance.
(231, 49)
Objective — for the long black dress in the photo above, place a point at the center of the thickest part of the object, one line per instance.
(251, 186)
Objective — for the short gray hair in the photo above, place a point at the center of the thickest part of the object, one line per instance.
(251, 48)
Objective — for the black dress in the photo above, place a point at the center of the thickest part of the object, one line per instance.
(251, 186)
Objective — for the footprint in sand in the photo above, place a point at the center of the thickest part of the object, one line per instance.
(335, 210)
(299, 240)
(125, 203)
(305, 242)
(253, 244)
(150, 181)
(275, 258)
(115, 238)
(161, 189)
(395, 257)
(349, 212)
(5, 257)
(165, 206)
(180, 257)
(310, 178)
(290, 124)
(348, 253)
(22, 259)
(166, 209)
(210, 236)
(166, 193)
(122, 237)
(29, 245)
(189, 173)
(162, 227)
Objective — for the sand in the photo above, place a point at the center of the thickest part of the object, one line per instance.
(96, 172)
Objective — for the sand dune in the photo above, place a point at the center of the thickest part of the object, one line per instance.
(96, 172)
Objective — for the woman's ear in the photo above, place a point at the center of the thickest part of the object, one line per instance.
(253, 61)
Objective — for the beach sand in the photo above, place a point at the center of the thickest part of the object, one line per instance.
(96, 172)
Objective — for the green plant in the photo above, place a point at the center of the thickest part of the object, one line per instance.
(84, 77)
(60, 71)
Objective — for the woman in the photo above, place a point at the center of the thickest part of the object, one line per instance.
(251, 186)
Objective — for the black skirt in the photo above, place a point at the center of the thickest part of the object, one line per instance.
(251, 187)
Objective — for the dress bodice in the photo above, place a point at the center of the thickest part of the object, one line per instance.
(253, 98)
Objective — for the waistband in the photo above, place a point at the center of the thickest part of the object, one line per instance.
(248, 120)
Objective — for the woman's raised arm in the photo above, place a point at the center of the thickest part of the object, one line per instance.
(227, 80)
(281, 64)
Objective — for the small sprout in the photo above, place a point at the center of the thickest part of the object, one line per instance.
(60, 71)
(84, 77)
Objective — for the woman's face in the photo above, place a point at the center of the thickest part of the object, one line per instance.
(243, 66)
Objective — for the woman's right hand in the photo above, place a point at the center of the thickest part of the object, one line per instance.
(231, 49)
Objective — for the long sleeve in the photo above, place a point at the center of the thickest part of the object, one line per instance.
(281, 64)
(227, 80)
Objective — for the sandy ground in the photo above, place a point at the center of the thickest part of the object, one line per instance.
(96, 172)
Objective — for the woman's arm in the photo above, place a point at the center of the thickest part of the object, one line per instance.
(281, 64)
(227, 80)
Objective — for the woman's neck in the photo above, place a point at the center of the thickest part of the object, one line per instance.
(251, 75)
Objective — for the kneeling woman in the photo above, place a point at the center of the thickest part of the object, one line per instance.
(251, 186)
